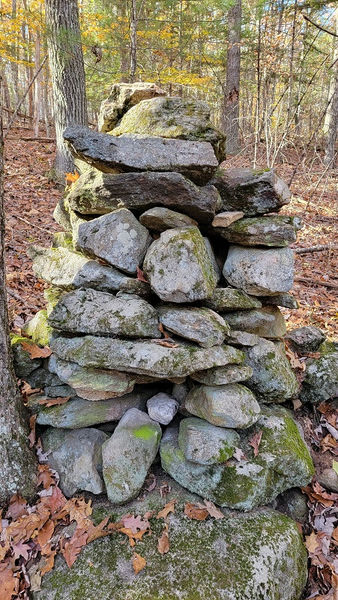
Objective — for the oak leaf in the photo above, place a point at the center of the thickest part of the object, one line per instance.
(135, 524)
(17, 507)
(312, 542)
(213, 510)
(169, 508)
(196, 511)
(255, 442)
(138, 563)
(163, 545)
(53, 401)
(72, 549)
(35, 351)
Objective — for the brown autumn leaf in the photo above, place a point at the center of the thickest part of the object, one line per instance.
(140, 275)
(135, 524)
(239, 455)
(35, 351)
(163, 545)
(32, 436)
(27, 390)
(48, 563)
(168, 508)
(72, 549)
(213, 510)
(53, 401)
(9, 582)
(17, 507)
(312, 543)
(133, 537)
(21, 549)
(71, 178)
(255, 441)
(53, 503)
(166, 343)
(44, 535)
(196, 511)
(295, 362)
(138, 563)
(163, 331)
(45, 477)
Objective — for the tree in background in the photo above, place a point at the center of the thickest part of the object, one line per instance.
(67, 74)
(331, 121)
(230, 113)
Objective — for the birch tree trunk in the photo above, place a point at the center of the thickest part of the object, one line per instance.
(67, 73)
(230, 116)
(133, 40)
(331, 118)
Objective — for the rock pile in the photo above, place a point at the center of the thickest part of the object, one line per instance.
(163, 313)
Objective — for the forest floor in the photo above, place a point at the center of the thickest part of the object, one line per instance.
(30, 198)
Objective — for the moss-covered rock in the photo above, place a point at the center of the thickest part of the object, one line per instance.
(229, 299)
(200, 325)
(260, 231)
(265, 322)
(23, 363)
(38, 329)
(63, 239)
(321, 378)
(204, 443)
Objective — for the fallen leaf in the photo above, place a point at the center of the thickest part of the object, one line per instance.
(53, 401)
(239, 455)
(140, 275)
(135, 524)
(71, 178)
(48, 563)
(335, 466)
(165, 489)
(213, 510)
(44, 535)
(166, 343)
(255, 441)
(169, 508)
(296, 404)
(138, 563)
(27, 390)
(45, 477)
(151, 482)
(72, 549)
(196, 511)
(133, 537)
(9, 583)
(163, 331)
(21, 549)
(163, 541)
(35, 351)
(17, 507)
(311, 542)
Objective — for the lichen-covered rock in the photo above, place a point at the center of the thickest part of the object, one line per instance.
(99, 193)
(260, 272)
(160, 218)
(273, 379)
(179, 267)
(200, 325)
(128, 454)
(224, 219)
(117, 237)
(321, 379)
(143, 357)
(328, 478)
(286, 300)
(264, 322)
(63, 239)
(204, 443)
(77, 457)
(173, 117)
(129, 285)
(42, 378)
(23, 363)
(232, 405)
(228, 299)
(283, 461)
(305, 339)
(70, 270)
(260, 231)
(100, 313)
(62, 216)
(38, 329)
(243, 338)
(223, 375)
(110, 154)
(252, 192)
(92, 384)
(122, 97)
(162, 408)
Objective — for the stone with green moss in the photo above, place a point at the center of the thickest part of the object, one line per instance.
(223, 375)
(305, 339)
(178, 266)
(61, 214)
(265, 322)
(24, 365)
(260, 231)
(201, 325)
(128, 455)
(321, 377)
(204, 443)
(229, 299)
(52, 295)
(63, 239)
(161, 218)
(38, 329)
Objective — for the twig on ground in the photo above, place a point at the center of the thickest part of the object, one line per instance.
(317, 282)
(319, 248)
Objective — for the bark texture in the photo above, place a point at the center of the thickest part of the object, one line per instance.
(18, 467)
(331, 120)
(230, 117)
(68, 77)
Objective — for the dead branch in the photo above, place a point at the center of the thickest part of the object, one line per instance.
(317, 282)
(319, 248)
(20, 299)
(319, 26)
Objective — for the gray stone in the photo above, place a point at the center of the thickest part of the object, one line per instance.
(180, 392)
(77, 457)
(264, 322)
(173, 117)
(260, 231)
(217, 268)
(160, 218)
(223, 375)
(100, 313)
(229, 299)
(70, 270)
(100, 193)
(59, 391)
(38, 329)
(232, 405)
(305, 339)
(111, 154)
(283, 461)
(63, 239)
(293, 503)
(200, 325)
(144, 357)
(253, 192)
(122, 97)
(273, 379)
(92, 384)
(128, 454)
(23, 364)
(41, 378)
(260, 272)
(206, 444)
(134, 286)
(321, 379)
(224, 219)
(117, 238)
(286, 300)
(162, 408)
(243, 338)
(61, 214)
(328, 478)
(179, 267)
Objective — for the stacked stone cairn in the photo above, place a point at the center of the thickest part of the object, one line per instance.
(163, 313)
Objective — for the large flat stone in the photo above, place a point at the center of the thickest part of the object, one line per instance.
(146, 357)
(204, 443)
(179, 267)
(321, 376)
(100, 313)
(107, 153)
(305, 339)
(265, 322)
(260, 272)
(260, 231)
(200, 325)
(223, 375)
(229, 299)
(160, 218)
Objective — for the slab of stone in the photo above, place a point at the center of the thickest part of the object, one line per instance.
(321, 378)
(243, 338)
(41, 378)
(273, 379)
(100, 313)
(252, 192)
(328, 478)
(117, 238)
(273, 230)
(229, 299)
(60, 391)
(260, 272)
(178, 266)
(204, 443)
(200, 325)
(160, 218)
(265, 322)
(134, 287)
(305, 339)
(23, 364)
(128, 455)
(223, 375)
(77, 457)
(283, 462)
(77, 413)
(122, 97)
(38, 329)
(143, 357)
(110, 154)
(285, 300)
(162, 408)
(61, 214)
(173, 117)
(63, 239)
(71, 270)
(224, 219)
(92, 384)
(232, 405)
(216, 267)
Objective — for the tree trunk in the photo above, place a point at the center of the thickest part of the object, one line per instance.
(18, 465)
(230, 117)
(37, 88)
(67, 73)
(133, 40)
(331, 118)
